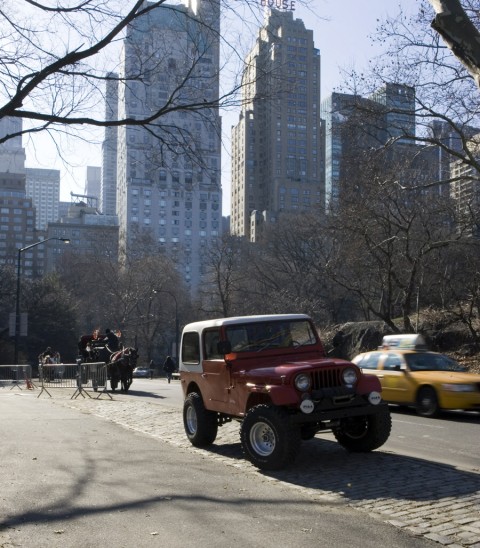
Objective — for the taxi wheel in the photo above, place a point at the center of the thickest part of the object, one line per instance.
(427, 402)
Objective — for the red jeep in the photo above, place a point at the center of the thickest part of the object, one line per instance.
(272, 374)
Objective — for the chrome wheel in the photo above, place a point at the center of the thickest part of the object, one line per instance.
(262, 439)
(200, 424)
(191, 421)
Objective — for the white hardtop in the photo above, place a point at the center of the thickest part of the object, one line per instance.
(200, 326)
(404, 342)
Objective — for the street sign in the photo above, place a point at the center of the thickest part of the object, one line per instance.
(23, 324)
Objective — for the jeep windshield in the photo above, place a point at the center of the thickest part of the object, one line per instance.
(258, 336)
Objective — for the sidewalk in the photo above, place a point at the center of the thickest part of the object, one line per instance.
(72, 479)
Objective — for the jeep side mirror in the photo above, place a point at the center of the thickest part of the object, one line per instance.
(224, 347)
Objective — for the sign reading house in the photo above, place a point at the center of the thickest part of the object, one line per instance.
(285, 5)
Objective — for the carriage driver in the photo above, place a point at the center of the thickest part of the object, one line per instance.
(111, 341)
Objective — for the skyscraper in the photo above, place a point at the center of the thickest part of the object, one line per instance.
(344, 137)
(352, 124)
(43, 187)
(12, 154)
(17, 213)
(108, 186)
(398, 106)
(168, 184)
(93, 182)
(276, 152)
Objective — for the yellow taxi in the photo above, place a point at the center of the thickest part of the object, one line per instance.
(411, 375)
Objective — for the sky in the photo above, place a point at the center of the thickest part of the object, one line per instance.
(342, 30)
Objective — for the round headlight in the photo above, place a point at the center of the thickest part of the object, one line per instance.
(349, 376)
(302, 382)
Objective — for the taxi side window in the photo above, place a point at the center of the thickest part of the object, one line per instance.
(393, 362)
(370, 361)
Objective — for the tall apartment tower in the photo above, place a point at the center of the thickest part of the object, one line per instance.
(343, 137)
(17, 213)
(168, 177)
(108, 185)
(276, 152)
(43, 187)
(352, 123)
(93, 182)
(450, 138)
(12, 154)
(398, 105)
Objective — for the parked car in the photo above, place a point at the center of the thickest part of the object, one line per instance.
(271, 373)
(411, 375)
(140, 372)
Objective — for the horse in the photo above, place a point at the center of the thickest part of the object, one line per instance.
(121, 366)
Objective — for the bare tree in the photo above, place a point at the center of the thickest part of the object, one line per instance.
(57, 61)
(446, 111)
(226, 282)
(384, 235)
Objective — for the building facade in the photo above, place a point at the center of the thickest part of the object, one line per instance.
(43, 187)
(89, 232)
(168, 174)
(17, 212)
(277, 163)
(12, 153)
(353, 124)
(451, 137)
(465, 191)
(93, 182)
(108, 185)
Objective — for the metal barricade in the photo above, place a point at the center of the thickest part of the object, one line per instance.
(74, 375)
(16, 376)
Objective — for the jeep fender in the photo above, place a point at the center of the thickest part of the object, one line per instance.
(283, 395)
(368, 383)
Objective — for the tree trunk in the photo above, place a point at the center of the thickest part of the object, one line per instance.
(459, 33)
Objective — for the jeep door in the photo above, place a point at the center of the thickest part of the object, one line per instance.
(216, 373)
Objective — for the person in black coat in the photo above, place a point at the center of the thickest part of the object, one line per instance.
(111, 341)
(169, 367)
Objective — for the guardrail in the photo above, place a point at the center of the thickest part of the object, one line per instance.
(16, 376)
(74, 375)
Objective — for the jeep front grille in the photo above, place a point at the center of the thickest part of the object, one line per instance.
(327, 378)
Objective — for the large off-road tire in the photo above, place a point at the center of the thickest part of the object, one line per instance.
(427, 402)
(365, 433)
(269, 440)
(201, 425)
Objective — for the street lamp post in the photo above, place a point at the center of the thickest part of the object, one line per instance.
(176, 320)
(17, 302)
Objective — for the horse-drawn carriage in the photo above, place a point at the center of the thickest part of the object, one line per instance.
(117, 366)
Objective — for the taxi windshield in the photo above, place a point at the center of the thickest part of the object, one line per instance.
(258, 336)
(429, 361)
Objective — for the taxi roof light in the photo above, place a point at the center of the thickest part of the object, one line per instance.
(404, 342)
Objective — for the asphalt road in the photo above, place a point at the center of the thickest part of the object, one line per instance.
(452, 439)
(102, 473)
